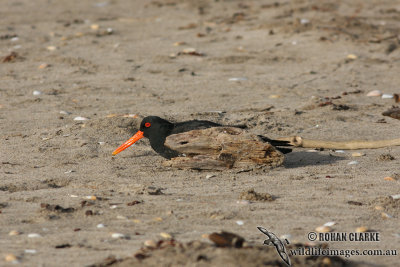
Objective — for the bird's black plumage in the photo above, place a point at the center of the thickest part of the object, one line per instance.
(157, 130)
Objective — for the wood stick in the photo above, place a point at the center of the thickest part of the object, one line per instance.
(349, 145)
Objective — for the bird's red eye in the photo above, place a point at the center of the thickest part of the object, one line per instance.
(147, 124)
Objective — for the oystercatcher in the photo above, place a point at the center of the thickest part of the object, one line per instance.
(157, 130)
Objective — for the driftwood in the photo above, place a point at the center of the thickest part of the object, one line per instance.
(355, 144)
(220, 148)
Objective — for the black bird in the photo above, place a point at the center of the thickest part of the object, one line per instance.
(157, 130)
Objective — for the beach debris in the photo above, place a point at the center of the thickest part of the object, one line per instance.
(119, 236)
(387, 96)
(323, 229)
(395, 197)
(11, 258)
(226, 239)
(208, 176)
(237, 79)
(80, 118)
(150, 243)
(14, 232)
(166, 236)
(252, 195)
(329, 224)
(375, 93)
(10, 58)
(362, 229)
(351, 56)
(191, 51)
(34, 235)
(393, 113)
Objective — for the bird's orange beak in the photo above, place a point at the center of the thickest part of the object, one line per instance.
(131, 141)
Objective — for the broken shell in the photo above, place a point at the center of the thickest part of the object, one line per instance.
(395, 196)
(94, 26)
(100, 225)
(189, 50)
(237, 79)
(351, 56)
(208, 176)
(375, 93)
(379, 208)
(387, 96)
(30, 251)
(150, 243)
(361, 229)
(43, 66)
(91, 197)
(34, 235)
(36, 92)
(14, 232)
(323, 229)
(158, 219)
(10, 257)
(352, 162)
(329, 224)
(117, 235)
(274, 96)
(51, 48)
(179, 43)
(389, 179)
(80, 118)
(357, 154)
(239, 222)
(165, 235)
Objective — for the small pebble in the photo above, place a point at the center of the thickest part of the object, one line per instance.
(136, 221)
(361, 229)
(14, 232)
(387, 96)
(11, 258)
(100, 225)
(91, 197)
(69, 171)
(165, 235)
(179, 43)
(239, 222)
(113, 207)
(352, 162)
(351, 56)
(323, 229)
(237, 79)
(158, 219)
(329, 224)
(63, 112)
(30, 251)
(14, 39)
(395, 196)
(36, 92)
(357, 154)
(150, 243)
(80, 118)
(34, 235)
(189, 50)
(73, 195)
(379, 208)
(389, 179)
(117, 235)
(51, 48)
(375, 93)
